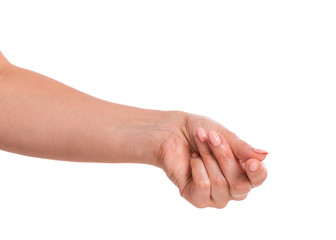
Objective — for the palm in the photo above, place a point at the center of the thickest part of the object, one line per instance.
(176, 150)
(175, 160)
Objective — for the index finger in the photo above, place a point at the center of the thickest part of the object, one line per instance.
(241, 149)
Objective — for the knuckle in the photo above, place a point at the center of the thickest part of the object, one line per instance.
(240, 188)
(225, 154)
(207, 154)
(221, 205)
(220, 182)
(200, 205)
(203, 185)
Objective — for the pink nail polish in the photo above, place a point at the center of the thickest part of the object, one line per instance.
(214, 138)
(201, 134)
(259, 151)
(253, 167)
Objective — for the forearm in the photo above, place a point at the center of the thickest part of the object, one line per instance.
(44, 118)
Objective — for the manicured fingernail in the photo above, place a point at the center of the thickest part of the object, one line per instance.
(194, 155)
(214, 138)
(253, 167)
(201, 134)
(259, 151)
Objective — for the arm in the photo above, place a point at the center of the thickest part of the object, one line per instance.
(44, 118)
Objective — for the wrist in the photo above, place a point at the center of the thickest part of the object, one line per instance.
(148, 132)
(171, 127)
(145, 131)
(132, 135)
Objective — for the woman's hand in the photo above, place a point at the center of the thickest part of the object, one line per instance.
(42, 117)
(209, 164)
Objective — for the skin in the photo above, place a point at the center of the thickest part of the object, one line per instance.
(44, 118)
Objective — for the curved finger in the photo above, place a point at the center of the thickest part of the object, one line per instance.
(242, 150)
(220, 190)
(230, 166)
(255, 171)
(200, 190)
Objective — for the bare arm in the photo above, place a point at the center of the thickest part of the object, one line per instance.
(44, 118)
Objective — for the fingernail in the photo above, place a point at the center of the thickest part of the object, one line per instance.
(194, 154)
(253, 167)
(214, 138)
(259, 151)
(238, 196)
(201, 134)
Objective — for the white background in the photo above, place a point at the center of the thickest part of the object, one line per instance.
(264, 69)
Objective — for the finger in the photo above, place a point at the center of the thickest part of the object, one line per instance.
(240, 198)
(200, 191)
(230, 166)
(220, 190)
(255, 171)
(242, 150)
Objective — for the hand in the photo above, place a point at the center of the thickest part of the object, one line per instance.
(209, 164)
